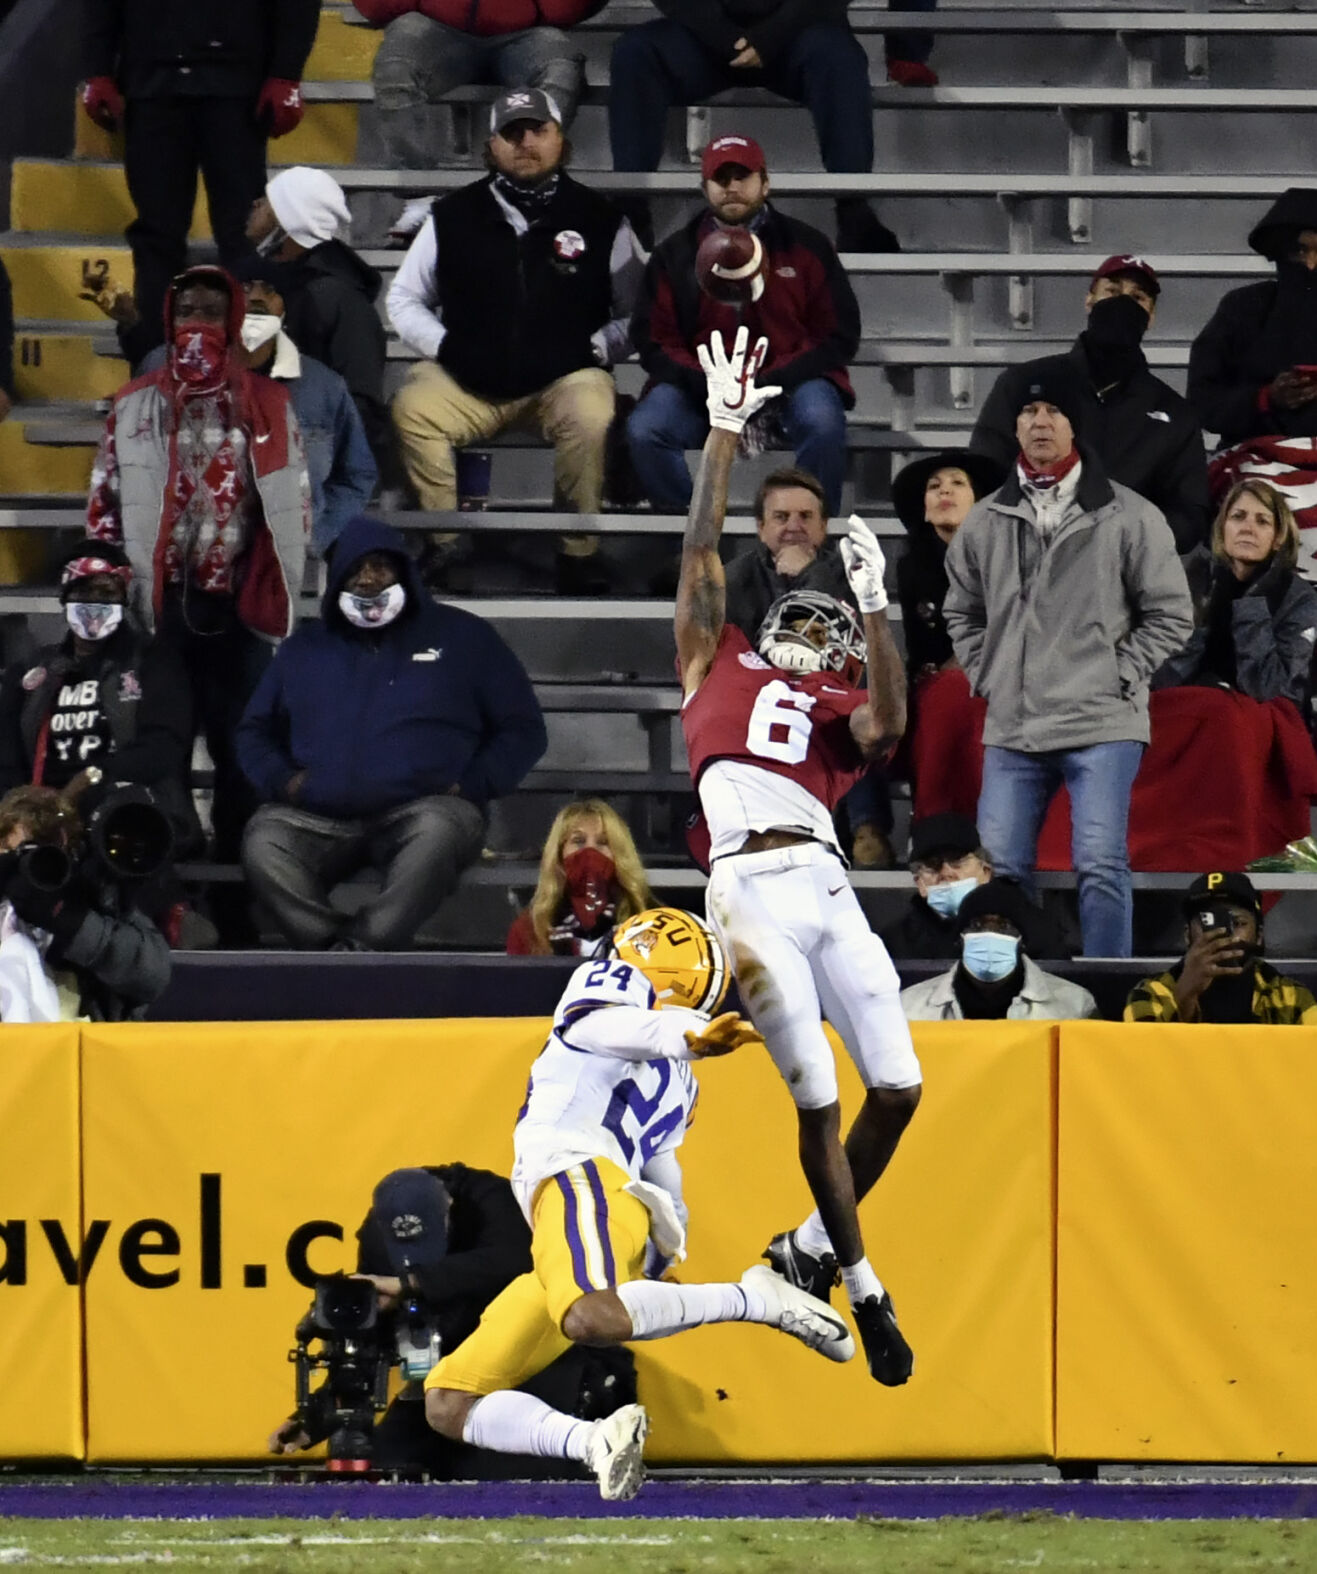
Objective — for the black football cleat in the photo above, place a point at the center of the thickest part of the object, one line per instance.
(890, 1358)
(815, 1275)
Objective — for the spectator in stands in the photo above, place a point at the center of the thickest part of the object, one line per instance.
(1144, 434)
(697, 48)
(932, 497)
(947, 862)
(517, 293)
(329, 293)
(793, 552)
(105, 698)
(378, 737)
(1253, 368)
(431, 47)
(194, 86)
(995, 980)
(1065, 596)
(339, 463)
(1222, 976)
(1255, 620)
(81, 949)
(201, 479)
(807, 311)
(591, 879)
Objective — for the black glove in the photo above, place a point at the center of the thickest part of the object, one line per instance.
(60, 913)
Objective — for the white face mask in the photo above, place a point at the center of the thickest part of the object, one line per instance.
(372, 612)
(259, 328)
(93, 620)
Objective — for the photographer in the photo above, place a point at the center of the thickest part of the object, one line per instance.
(73, 941)
(438, 1245)
(1222, 977)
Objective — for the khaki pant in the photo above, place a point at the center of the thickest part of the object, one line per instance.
(435, 415)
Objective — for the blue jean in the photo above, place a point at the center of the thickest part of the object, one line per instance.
(916, 47)
(662, 63)
(1017, 789)
(420, 61)
(667, 422)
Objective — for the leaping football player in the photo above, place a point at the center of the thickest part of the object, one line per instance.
(597, 1176)
(776, 736)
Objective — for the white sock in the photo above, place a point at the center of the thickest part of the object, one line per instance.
(861, 1282)
(657, 1309)
(511, 1423)
(811, 1237)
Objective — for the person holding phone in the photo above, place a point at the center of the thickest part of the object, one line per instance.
(1222, 976)
(1253, 368)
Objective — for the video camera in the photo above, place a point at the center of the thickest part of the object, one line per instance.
(345, 1336)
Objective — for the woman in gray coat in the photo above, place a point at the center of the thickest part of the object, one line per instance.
(1255, 620)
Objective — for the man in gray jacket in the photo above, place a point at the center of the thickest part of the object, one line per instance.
(1065, 596)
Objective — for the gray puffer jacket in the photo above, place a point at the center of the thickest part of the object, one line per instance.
(1062, 633)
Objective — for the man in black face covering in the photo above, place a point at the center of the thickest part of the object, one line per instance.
(1253, 368)
(1146, 436)
(1222, 977)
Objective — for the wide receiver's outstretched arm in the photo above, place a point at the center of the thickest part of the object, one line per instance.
(702, 589)
(878, 726)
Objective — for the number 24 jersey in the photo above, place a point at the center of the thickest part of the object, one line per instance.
(582, 1104)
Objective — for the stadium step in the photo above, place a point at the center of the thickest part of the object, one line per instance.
(326, 135)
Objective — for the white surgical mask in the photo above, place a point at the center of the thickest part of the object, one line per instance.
(945, 899)
(989, 957)
(93, 619)
(259, 328)
(372, 612)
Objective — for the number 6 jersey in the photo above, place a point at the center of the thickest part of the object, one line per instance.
(611, 1082)
(769, 749)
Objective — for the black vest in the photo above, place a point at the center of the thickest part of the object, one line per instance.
(519, 309)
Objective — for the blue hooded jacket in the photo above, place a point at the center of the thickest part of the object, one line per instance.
(377, 718)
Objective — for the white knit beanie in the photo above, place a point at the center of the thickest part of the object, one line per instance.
(309, 204)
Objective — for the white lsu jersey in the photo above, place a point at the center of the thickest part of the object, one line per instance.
(613, 1082)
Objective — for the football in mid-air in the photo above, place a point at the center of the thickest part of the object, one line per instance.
(729, 266)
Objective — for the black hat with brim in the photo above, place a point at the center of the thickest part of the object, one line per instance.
(1225, 885)
(909, 485)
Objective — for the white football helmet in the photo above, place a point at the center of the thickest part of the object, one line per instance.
(806, 631)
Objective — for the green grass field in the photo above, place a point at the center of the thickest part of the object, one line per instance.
(987, 1545)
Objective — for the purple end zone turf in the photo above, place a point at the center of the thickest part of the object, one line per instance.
(106, 1498)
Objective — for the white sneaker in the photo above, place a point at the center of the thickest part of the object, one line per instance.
(617, 1452)
(801, 1315)
(409, 221)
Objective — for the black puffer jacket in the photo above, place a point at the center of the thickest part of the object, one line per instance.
(1258, 331)
(753, 584)
(770, 25)
(198, 48)
(1146, 435)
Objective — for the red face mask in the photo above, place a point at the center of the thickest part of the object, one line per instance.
(198, 354)
(589, 884)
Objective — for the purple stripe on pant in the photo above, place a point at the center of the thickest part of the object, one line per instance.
(601, 1220)
(574, 1240)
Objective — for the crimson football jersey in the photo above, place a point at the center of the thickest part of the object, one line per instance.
(793, 724)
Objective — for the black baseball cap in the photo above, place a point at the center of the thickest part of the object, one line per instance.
(410, 1211)
(1222, 886)
(953, 835)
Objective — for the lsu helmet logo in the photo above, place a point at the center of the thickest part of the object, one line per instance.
(678, 953)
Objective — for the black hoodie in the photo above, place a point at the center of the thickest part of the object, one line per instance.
(1258, 331)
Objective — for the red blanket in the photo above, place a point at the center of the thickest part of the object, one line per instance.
(1225, 779)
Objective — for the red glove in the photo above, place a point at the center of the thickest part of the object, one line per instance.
(279, 106)
(103, 102)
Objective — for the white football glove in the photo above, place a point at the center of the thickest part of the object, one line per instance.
(733, 397)
(865, 565)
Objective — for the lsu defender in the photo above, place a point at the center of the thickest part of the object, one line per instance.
(776, 736)
(596, 1174)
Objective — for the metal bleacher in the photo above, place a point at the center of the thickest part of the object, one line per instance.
(1059, 134)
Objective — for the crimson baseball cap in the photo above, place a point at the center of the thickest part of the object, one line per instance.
(744, 151)
(1143, 271)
